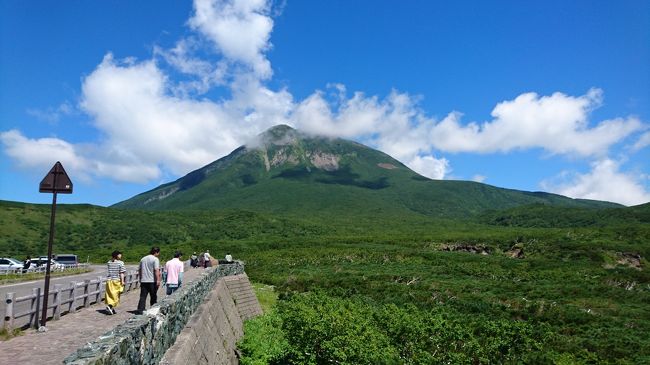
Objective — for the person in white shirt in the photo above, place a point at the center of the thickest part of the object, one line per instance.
(206, 259)
(228, 257)
(174, 269)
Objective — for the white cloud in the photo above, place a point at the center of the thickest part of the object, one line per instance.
(479, 178)
(642, 142)
(240, 30)
(149, 123)
(145, 125)
(42, 153)
(556, 123)
(52, 115)
(203, 74)
(603, 182)
(394, 125)
(429, 166)
(82, 162)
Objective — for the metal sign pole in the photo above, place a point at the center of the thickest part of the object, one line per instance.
(46, 294)
(56, 181)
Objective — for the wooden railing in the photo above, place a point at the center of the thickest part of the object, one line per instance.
(77, 294)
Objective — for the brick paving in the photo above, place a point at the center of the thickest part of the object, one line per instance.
(73, 330)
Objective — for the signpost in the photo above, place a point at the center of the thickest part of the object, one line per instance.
(56, 181)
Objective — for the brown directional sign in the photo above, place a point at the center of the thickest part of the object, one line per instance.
(56, 181)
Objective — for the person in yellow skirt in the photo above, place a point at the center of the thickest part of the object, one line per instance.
(114, 282)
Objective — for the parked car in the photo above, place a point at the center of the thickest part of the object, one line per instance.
(10, 264)
(42, 262)
(67, 259)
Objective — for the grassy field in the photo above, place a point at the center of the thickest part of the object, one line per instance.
(579, 298)
(406, 289)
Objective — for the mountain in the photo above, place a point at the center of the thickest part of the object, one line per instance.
(290, 172)
(546, 216)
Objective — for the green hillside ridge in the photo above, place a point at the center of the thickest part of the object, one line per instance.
(289, 172)
(576, 296)
(545, 216)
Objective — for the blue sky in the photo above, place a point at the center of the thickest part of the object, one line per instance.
(550, 96)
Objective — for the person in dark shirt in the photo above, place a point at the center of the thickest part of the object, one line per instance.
(150, 279)
(27, 264)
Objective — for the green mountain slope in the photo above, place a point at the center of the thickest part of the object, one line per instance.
(292, 173)
(93, 231)
(545, 216)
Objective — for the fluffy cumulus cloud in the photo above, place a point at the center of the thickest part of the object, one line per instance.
(145, 124)
(557, 123)
(603, 182)
(152, 122)
(430, 166)
(239, 29)
(40, 153)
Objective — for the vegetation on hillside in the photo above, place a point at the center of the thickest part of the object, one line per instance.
(290, 173)
(545, 216)
(405, 286)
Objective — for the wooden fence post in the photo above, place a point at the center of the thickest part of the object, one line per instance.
(9, 312)
(99, 289)
(56, 311)
(73, 297)
(129, 281)
(35, 307)
(86, 293)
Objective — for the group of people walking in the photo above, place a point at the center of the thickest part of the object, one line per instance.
(150, 276)
(205, 260)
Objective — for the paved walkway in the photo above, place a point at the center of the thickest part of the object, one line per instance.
(73, 330)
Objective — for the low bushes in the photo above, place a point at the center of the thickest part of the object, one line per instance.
(314, 328)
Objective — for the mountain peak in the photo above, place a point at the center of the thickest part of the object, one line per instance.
(279, 135)
(280, 129)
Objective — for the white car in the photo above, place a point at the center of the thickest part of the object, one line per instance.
(42, 261)
(10, 264)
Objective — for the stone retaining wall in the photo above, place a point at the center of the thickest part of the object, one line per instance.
(211, 335)
(144, 339)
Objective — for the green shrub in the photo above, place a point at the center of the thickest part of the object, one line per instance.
(314, 328)
(322, 330)
(264, 342)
